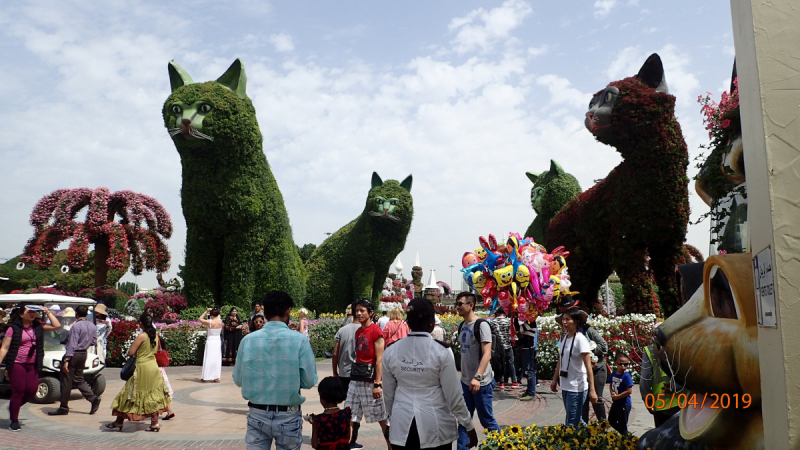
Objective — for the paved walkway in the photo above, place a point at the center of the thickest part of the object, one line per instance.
(210, 415)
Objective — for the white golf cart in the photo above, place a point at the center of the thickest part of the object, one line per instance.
(54, 342)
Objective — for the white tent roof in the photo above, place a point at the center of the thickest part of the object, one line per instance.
(41, 299)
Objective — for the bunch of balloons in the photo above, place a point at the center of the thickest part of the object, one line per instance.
(520, 276)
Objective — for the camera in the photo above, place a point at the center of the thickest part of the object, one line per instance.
(564, 374)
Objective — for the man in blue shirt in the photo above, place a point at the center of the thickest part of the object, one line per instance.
(272, 365)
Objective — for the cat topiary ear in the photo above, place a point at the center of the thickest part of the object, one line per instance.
(652, 74)
(376, 180)
(555, 168)
(733, 77)
(534, 177)
(177, 76)
(235, 79)
(406, 184)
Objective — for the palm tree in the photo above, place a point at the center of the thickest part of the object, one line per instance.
(125, 227)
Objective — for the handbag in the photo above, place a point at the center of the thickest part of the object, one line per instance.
(362, 371)
(162, 356)
(128, 368)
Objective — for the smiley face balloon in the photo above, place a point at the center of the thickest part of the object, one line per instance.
(504, 276)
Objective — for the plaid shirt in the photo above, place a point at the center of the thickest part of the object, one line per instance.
(273, 364)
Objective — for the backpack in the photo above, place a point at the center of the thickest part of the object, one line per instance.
(498, 360)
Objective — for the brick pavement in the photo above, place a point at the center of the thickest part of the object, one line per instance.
(211, 415)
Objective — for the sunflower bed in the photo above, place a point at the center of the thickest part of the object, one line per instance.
(596, 435)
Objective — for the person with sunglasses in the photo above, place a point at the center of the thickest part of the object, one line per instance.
(621, 389)
(23, 352)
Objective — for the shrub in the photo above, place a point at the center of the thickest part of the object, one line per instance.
(192, 313)
(157, 308)
(132, 308)
(173, 300)
(128, 288)
(321, 334)
(122, 335)
(595, 435)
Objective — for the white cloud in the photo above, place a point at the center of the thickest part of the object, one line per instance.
(481, 29)
(561, 92)
(282, 42)
(538, 51)
(603, 7)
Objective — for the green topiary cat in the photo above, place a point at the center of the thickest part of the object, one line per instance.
(238, 241)
(353, 262)
(550, 192)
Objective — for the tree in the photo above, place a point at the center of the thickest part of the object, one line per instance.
(125, 227)
(305, 251)
(128, 287)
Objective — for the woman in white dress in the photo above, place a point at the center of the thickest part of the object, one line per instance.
(212, 359)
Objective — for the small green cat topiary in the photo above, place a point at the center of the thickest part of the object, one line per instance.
(23, 276)
(353, 262)
(550, 192)
(238, 239)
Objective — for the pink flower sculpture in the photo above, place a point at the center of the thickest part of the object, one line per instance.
(125, 227)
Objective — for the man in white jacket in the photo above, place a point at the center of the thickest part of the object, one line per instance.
(422, 390)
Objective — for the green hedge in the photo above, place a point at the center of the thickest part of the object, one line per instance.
(321, 335)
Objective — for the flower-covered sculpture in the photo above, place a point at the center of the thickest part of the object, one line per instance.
(125, 228)
(633, 221)
(550, 192)
(721, 182)
(353, 262)
(238, 239)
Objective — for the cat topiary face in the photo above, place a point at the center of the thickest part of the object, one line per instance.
(197, 114)
(390, 201)
(552, 189)
(629, 105)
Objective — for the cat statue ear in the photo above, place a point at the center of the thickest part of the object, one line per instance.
(533, 176)
(235, 79)
(406, 184)
(652, 74)
(376, 180)
(555, 168)
(177, 76)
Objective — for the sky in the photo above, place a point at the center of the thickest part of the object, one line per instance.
(466, 96)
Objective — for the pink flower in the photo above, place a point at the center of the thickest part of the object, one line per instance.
(726, 123)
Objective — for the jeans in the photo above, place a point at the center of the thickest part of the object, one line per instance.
(573, 403)
(528, 356)
(482, 401)
(285, 428)
(24, 379)
(509, 369)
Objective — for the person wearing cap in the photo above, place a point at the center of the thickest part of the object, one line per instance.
(422, 391)
(104, 326)
(23, 353)
(574, 363)
(82, 335)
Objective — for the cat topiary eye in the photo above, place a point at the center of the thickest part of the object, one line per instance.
(205, 108)
(608, 97)
(176, 109)
(591, 104)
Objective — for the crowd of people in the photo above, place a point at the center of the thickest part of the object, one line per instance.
(398, 373)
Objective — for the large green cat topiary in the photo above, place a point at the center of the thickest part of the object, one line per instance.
(238, 241)
(550, 192)
(354, 261)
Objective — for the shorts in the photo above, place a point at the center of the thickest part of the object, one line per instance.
(360, 401)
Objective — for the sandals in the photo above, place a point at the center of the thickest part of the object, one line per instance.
(153, 429)
(170, 416)
(216, 381)
(113, 425)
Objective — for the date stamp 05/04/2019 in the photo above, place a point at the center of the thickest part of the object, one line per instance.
(694, 400)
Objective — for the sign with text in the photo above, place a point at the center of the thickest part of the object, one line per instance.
(765, 289)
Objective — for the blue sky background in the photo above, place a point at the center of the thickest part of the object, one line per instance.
(467, 96)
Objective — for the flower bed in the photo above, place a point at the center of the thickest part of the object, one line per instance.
(184, 340)
(629, 334)
(594, 436)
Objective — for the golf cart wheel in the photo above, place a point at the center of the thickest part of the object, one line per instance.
(49, 390)
(99, 385)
